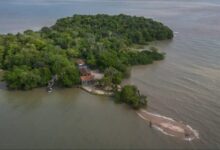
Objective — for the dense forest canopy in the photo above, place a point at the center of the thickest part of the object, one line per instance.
(104, 41)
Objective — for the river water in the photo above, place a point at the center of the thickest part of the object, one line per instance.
(185, 86)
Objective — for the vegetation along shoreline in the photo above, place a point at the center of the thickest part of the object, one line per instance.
(104, 44)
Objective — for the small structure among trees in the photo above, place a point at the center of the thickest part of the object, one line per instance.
(103, 41)
(51, 83)
(80, 62)
(87, 80)
(86, 76)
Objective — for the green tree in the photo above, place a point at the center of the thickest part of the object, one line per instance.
(22, 78)
(69, 76)
(114, 75)
(131, 96)
(103, 41)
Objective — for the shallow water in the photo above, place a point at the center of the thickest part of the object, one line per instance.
(185, 86)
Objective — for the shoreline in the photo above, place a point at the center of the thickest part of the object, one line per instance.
(96, 91)
(166, 125)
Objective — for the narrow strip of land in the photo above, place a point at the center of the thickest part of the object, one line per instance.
(168, 125)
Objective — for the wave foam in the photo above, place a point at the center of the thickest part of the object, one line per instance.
(161, 130)
(195, 132)
(142, 116)
(155, 114)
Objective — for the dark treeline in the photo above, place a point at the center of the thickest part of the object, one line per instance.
(31, 58)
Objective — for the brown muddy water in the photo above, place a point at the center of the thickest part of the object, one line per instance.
(185, 86)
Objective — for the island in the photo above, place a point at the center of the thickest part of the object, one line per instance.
(88, 50)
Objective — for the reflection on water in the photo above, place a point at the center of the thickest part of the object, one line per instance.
(185, 86)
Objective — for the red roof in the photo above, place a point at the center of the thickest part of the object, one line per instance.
(87, 78)
(85, 71)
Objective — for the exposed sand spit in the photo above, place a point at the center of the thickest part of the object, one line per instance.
(169, 126)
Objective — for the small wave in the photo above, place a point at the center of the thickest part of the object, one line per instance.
(188, 139)
(195, 132)
(142, 116)
(175, 34)
(161, 130)
(155, 114)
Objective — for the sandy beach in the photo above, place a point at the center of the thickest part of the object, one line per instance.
(96, 91)
(169, 126)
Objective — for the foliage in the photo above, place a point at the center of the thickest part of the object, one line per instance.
(22, 78)
(69, 76)
(32, 58)
(131, 96)
(112, 77)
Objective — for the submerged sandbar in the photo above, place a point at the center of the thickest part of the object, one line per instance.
(169, 126)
